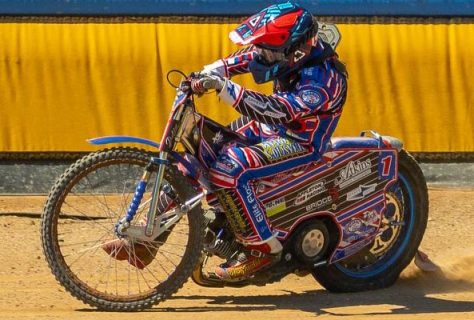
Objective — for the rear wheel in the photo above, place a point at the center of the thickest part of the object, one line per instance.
(380, 264)
(79, 219)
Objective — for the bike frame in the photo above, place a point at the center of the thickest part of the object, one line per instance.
(171, 136)
(179, 128)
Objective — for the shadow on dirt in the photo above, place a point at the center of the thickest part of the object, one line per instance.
(416, 292)
(412, 294)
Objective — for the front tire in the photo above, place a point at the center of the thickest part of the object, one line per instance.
(79, 218)
(408, 201)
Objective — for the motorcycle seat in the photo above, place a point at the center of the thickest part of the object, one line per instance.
(353, 143)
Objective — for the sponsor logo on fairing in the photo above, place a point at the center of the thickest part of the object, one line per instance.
(371, 217)
(257, 212)
(353, 226)
(280, 148)
(352, 172)
(275, 206)
(226, 165)
(334, 193)
(319, 204)
(249, 193)
(255, 208)
(312, 191)
(279, 178)
(361, 192)
(233, 214)
(218, 138)
(357, 228)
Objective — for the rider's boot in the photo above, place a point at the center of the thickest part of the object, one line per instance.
(140, 254)
(254, 258)
(137, 254)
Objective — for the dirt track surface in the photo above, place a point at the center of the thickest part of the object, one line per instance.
(29, 291)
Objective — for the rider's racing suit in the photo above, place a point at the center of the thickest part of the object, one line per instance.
(290, 128)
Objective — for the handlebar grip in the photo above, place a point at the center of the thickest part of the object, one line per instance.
(208, 84)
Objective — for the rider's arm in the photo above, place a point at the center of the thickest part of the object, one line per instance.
(276, 108)
(236, 63)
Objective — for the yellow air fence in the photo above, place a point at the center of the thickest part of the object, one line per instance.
(63, 83)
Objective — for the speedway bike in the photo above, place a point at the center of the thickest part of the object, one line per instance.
(352, 220)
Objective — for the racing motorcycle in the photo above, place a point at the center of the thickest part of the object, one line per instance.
(353, 220)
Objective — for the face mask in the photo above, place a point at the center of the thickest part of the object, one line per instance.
(269, 57)
(263, 72)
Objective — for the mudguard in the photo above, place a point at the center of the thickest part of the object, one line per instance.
(367, 140)
(122, 139)
(187, 161)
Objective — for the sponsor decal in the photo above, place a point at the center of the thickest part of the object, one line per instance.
(280, 148)
(254, 207)
(218, 138)
(276, 206)
(362, 227)
(249, 193)
(312, 191)
(254, 22)
(299, 55)
(232, 213)
(352, 172)
(226, 165)
(353, 226)
(319, 204)
(334, 193)
(361, 192)
(371, 217)
(257, 212)
(308, 71)
(353, 248)
(311, 97)
(231, 90)
(263, 108)
(279, 178)
(363, 232)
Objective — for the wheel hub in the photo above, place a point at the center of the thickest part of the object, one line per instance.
(392, 222)
(313, 243)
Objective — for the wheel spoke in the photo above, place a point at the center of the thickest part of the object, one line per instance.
(80, 240)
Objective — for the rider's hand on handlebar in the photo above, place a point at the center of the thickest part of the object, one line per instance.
(202, 82)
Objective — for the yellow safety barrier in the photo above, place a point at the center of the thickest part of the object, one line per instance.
(63, 83)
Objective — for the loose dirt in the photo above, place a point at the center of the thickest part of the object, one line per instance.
(29, 291)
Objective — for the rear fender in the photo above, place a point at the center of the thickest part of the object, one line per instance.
(368, 139)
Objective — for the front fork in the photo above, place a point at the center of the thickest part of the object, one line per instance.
(124, 223)
(161, 161)
(123, 227)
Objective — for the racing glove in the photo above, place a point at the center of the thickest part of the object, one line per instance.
(205, 82)
(216, 69)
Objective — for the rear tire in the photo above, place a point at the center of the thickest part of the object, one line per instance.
(411, 195)
(79, 217)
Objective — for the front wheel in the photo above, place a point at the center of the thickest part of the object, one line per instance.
(78, 221)
(380, 264)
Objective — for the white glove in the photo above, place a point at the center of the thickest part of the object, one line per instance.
(206, 82)
(216, 69)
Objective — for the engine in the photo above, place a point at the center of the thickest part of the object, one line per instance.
(219, 239)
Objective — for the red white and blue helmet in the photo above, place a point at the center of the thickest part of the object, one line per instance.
(281, 28)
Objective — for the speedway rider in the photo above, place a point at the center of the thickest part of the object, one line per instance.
(290, 127)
